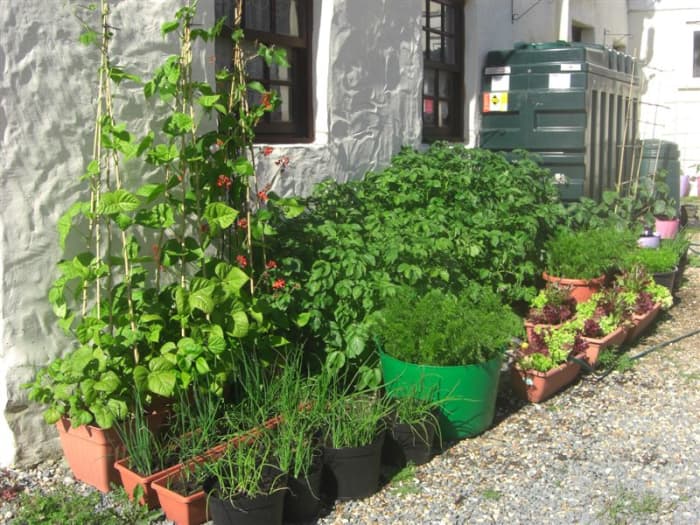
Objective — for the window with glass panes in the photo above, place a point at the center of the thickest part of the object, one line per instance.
(443, 38)
(286, 24)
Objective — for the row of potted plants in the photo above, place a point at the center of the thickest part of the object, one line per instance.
(291, 442)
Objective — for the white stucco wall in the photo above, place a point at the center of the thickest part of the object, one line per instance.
(46, 109)
(663, 35)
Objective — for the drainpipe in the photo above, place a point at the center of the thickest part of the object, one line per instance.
(564, 21)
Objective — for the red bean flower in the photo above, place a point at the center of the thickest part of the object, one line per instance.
(224, 181)
(278, 284)
(242, 223)
(242, 261)
(270, 264)
(267, 151)
(262, 195)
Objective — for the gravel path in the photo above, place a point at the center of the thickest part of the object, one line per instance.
(621, 448)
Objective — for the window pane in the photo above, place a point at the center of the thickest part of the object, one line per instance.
(444, 87)
(449, 57)
(256, 68)
(283, 112)
(434, 47)
(428, 110)
(256, 14)
(435, 16)
(444, 115)
(287, 17)
(429, 82)
(280, 72)
(449, 19)
(696, 53)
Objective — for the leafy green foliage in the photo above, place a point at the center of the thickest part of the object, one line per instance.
(632, 210)
(587, 254)
(439, 328)
(654, 260)
(170, 281)
(439, 219)
(63, 504)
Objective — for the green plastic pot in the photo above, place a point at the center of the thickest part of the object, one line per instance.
(468, 392)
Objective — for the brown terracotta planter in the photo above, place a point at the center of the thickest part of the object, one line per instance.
(581, 289)
(91, 452)
(640, 323)
(536, 386)
(131, 479)
(614, 338)
(182, 509)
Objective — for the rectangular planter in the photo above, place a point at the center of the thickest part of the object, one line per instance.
(614, 338)
(181, 509)
(131, 480)
(536, 386)
(91, 452)
(640, 323)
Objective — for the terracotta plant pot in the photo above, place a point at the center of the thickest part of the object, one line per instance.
(131, 479)
(536, 386)
(91, 453)
(190, 509)
(667, 228)
(581, 289)
(614, 338)
(640, 323)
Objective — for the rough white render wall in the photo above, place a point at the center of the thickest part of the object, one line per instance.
(46, 112)
(369, 56)
(369, 68)
(663, 36)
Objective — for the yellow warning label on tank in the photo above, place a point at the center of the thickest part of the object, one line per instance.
(495, 102)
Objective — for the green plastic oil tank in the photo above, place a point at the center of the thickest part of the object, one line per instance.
(574, 105)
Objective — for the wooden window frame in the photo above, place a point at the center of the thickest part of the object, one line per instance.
(300, 127)
(455, 97)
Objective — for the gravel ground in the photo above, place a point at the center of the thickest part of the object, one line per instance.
(616, 448)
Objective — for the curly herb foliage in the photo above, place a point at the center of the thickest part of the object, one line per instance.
(438, 219)
(655, 260)
(586, 254)
(439, 328)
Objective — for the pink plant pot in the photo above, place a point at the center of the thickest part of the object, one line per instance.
(667, 229)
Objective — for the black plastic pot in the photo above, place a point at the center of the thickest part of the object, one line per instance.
(353, 472)
(414, 442)
(261, 510)
(666, 279)
(302, 503)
